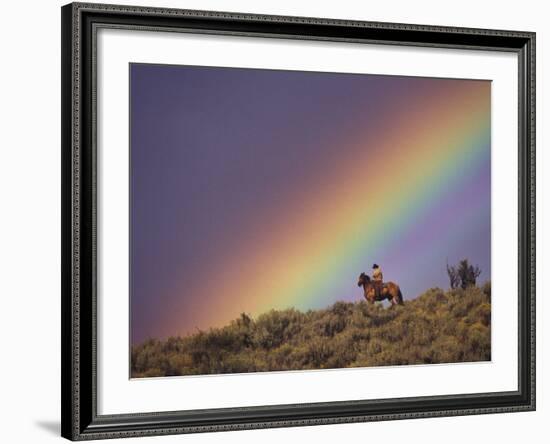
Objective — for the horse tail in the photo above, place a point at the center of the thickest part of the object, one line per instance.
(399, 296)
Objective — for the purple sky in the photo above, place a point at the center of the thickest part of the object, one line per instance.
(213, 148)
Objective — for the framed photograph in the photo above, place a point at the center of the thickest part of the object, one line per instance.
(281, 221)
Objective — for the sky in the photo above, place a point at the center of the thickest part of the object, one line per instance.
(253, 189)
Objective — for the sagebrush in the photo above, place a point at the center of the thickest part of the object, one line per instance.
(437, 327)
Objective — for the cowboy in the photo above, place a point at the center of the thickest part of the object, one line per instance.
(377, 279)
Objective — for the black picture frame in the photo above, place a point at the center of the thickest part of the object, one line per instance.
(80, 420)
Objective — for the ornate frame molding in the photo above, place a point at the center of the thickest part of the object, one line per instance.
(80, 420)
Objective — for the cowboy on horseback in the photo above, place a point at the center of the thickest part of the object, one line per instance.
(377, 278)
(376, 290)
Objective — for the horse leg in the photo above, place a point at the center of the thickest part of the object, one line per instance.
(369, 296)
(387, 296)
(396, 300)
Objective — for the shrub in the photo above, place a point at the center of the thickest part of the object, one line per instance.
(438, 326)
(463, 275)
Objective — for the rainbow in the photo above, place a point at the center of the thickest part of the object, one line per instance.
(368, 202)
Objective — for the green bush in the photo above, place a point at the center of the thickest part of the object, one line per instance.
(439, 326)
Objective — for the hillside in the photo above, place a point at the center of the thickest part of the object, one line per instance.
(436, 327)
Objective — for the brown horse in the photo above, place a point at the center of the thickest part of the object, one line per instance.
(388, 290)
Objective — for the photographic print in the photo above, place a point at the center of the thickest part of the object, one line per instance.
(304, 217)
(292, 220)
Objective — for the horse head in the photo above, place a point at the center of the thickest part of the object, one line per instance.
(363, 279)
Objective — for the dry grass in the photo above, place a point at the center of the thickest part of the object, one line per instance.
(437, 327)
